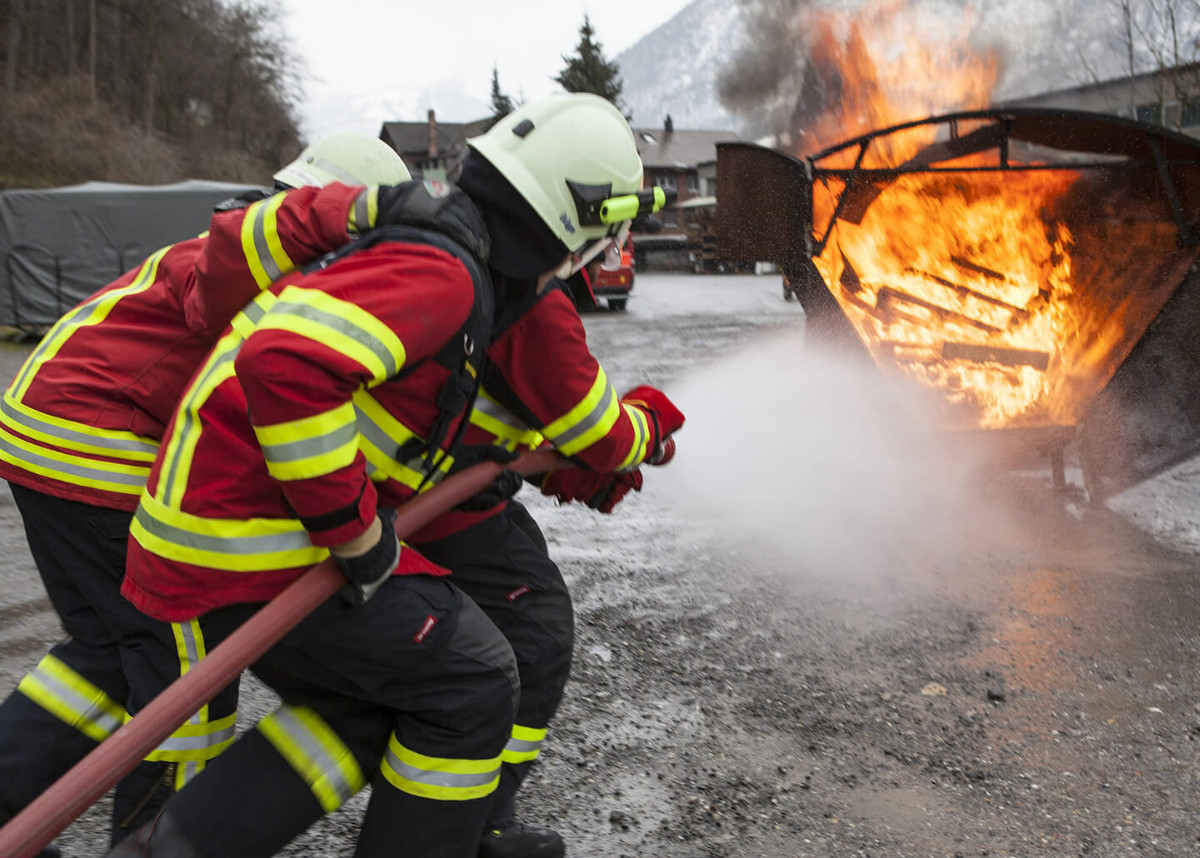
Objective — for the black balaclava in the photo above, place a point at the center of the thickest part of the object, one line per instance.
(523, 247)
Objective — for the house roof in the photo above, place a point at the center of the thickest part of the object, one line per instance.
(679, 148)
(413, 137)
(1163, 73)
(657, 148)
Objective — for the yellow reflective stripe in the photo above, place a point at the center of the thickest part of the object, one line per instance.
(264, 253)
(641, 432)
(314, 750)
(180, 447)
(189, 648)
(364, 211)
(90, 313)
(311, 446)
(441, 778)
(492, 417)
(380, 437)
(525, 744)
(75, 701)
(340, 325)
(233, 545)
(55, 464)
(72, 435)
(587, 422)
(197, 742)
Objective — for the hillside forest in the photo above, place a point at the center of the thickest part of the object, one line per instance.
(144, 91)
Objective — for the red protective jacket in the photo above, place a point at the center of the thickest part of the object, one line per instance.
(83, 418)
(543, 382)
(263, 470)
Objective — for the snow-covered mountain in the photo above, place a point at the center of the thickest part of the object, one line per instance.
(757, 50)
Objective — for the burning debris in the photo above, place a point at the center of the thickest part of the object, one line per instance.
(1010, 259)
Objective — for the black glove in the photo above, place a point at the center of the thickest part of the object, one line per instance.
(503, 487)
(368, 571)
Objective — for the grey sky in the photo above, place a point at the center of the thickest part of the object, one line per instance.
(376, 60)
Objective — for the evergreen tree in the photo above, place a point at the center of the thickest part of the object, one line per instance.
(588, 70)
(502, 105)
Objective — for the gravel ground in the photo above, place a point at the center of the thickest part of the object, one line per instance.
(826, 631)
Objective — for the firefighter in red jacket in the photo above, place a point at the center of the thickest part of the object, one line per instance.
(324, 406)
(79, 428)
(542, 384)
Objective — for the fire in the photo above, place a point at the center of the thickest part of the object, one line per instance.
(968, 281)
(961, 283)
(866, 71)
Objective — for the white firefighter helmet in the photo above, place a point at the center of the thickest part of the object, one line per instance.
(565, 155)
(352, 159)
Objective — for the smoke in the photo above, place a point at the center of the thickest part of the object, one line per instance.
(763, 76)
(824, 463)
(826, 66)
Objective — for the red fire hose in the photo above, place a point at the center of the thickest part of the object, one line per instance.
(33, 828)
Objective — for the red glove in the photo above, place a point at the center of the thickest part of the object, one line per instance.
(667, 419)
(599, 491)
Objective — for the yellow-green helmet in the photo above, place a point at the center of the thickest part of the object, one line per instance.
(566, 154)
(352, 159)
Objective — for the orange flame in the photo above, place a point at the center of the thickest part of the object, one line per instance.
(968, 282)
(877, 75)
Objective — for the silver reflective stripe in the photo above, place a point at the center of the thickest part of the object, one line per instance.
(72, 436)
(55, 337)
(80, 705)
(500, 414)
(267, 543)
(197, 743)
(314, 751)
(292, 451)
(185, 772)
(390, 446)
(258, 230)
(253, 312)
(523, 746)
(362, 211)
(566, 437)
(440, 779)
(192, 653)
(337, 172)
(30, 458)
(336, 323)
(189, 412)
(642, 430)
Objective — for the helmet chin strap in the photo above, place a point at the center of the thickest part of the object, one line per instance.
(610, 246)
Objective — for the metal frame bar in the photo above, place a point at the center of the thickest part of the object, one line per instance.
(1188, 233)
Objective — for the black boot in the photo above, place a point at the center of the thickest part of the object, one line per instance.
(521, 841)
(503, 836)
(160, 839)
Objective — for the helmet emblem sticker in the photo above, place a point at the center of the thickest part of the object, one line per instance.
(437, 189)
(566, 222)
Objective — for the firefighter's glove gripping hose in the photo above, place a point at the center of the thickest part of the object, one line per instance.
(499, 490)
(601, 492)
(367, 569)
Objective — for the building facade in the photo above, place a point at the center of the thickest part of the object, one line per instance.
(1169, 97)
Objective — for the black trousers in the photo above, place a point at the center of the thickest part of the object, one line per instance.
(79, 693)
(503, 564)
(417, 677)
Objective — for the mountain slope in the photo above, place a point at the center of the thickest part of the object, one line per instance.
(760, 45)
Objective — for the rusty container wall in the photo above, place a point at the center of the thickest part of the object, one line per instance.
(1148, 417)
(764, 214)
(765, 205)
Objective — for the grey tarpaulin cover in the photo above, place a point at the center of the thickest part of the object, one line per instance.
(59, 245)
